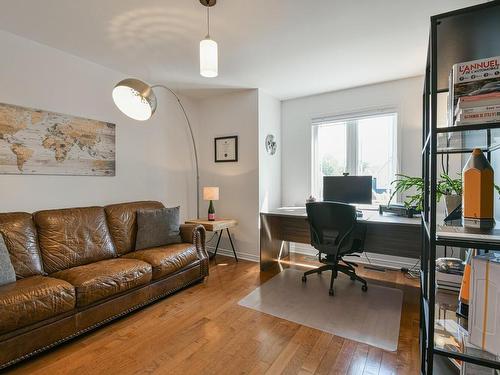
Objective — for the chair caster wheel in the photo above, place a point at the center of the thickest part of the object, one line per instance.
(330, 292)
(364, 288)
(353, 278)
(304, 279)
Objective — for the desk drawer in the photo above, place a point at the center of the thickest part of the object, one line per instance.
(295, 230)
(400, 240)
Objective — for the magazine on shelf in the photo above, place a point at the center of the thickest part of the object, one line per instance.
(485, 108)
(477, 118)
(473, 78)
(468, 234)
(476, 101)
(478, 109)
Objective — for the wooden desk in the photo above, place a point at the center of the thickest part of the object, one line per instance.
(217, 225)
(385, 234)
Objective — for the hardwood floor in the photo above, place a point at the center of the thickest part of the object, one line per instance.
(202, 330)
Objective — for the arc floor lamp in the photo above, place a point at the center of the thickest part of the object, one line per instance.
(137, 100)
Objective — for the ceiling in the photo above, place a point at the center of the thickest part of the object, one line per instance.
(288, 48)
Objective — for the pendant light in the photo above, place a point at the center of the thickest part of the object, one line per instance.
(208, 48)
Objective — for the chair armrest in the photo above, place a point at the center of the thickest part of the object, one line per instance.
(195, 234)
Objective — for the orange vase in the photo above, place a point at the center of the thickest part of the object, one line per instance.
(477, 196)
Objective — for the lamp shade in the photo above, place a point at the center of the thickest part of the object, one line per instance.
(211, 193)
(135, 99)
(208, 58)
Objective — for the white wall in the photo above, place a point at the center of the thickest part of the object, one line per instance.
(225, 115)
(269, 165)
(404, 95)
(153, 159)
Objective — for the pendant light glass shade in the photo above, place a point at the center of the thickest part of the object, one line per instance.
(135, 99)
(209, 60)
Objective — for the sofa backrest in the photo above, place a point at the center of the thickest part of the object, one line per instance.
(20, 236)
(73, 237)
(122, 222)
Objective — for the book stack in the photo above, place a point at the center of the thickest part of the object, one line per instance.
(474, 92)
(478, 109)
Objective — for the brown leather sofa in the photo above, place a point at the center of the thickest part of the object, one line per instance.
(77, 269)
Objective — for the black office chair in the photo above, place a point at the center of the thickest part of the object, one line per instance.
(335, 232)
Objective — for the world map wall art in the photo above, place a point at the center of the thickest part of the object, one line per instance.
(33, 141)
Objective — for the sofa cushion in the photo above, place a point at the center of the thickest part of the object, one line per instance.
(157, 227)
(103, 279)
(122, 221)
(166, 259)
(73, 237)
(33, 299)
(7, 273)
(19, 233)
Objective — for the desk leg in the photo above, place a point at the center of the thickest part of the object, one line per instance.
(284, 250)
(272, 249)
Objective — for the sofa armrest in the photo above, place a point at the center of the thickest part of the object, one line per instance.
(195, 234)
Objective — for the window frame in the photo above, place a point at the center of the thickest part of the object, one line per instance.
(352, 153)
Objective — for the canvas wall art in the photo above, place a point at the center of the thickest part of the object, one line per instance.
(34, 141)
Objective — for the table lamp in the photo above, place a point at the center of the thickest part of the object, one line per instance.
(211, 193)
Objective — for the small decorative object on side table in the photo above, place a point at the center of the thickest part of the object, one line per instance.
(211, 193)
(217, 225)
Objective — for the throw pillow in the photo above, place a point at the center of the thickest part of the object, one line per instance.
(7, 273)
(157, 227)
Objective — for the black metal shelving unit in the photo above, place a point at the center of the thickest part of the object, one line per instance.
(457, 36)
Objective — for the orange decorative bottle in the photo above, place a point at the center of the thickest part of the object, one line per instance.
(478, 187)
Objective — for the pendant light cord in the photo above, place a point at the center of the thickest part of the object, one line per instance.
(208, 21)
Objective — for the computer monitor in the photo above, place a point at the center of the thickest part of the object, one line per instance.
(348, 189)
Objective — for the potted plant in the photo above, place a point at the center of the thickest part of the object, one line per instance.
(450, 188)
(452, 191)
(404, 183)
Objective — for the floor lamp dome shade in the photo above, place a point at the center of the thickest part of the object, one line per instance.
(135, 99)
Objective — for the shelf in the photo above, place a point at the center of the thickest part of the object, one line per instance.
(468, 238)
(465, 35)
(466, 128)
(451, 338)
(471, 358)
(455, 37)
(468, 244)
(464, 141)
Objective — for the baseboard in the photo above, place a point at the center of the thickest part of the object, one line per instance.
(229, 253)
(386, 261)
(381, 260)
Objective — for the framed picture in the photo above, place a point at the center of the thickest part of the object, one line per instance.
(226, 149)
(39, 142)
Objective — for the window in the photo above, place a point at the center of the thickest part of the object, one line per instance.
(359, 145)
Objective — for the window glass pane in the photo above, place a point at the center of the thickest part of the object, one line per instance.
(376, 153)
(331, 153)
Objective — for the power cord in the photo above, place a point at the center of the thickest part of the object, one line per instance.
(412, 272)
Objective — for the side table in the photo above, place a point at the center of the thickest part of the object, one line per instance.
(217, 226)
